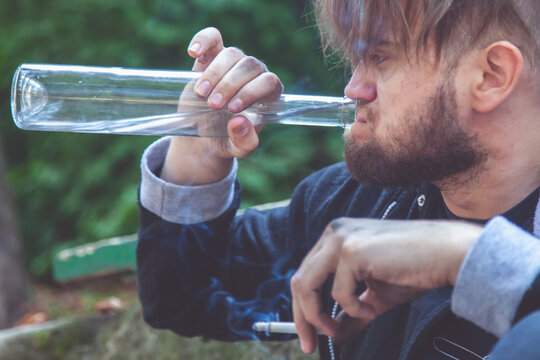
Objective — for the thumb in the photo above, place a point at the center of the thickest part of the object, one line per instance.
(371, 298)
(243, 138)
(204, 47)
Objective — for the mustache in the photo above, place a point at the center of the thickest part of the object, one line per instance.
(362, 102)
(365, 111)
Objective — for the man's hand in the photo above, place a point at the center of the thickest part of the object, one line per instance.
(398, 261)
(229, 79)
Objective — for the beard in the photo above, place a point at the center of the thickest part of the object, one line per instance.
(431, 146)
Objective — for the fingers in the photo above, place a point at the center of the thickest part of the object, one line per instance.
(229, 77)
(306, 285)
(237, 80)
(348, 327)
(370, 298)
(265, 86)
(243, 139)
(204, 46)
(344, 292)
(306, 332)
(348, 275)
(308, 316)
(307, 310)
(214, 72)
(382, 296)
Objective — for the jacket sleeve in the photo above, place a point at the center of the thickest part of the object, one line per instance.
(218, 277)
(213, 275)
(530, 302)
(168, 200)
(497, 282)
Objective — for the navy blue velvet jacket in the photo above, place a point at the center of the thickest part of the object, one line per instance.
(216, 278)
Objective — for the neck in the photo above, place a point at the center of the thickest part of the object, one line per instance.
(485, 200)
(510, 173)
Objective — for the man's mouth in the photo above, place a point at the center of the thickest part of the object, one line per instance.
(361, 120)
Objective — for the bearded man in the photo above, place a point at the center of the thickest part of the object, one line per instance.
(421, 246)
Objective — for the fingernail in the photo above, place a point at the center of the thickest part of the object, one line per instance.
(203, 89)
(194, 48)
(235, 105)
(241, 130)
(216, 99)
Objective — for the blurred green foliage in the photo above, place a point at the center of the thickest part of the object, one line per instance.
(76, 188)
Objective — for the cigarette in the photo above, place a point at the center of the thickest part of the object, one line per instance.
(277, 327)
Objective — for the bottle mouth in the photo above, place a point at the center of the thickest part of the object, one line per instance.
(28, 97)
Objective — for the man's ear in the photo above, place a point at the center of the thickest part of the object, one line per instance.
(501, 65)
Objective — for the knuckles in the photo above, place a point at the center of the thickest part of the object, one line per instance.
(347, 303)
(349, 250)
(297, 283)
(211, 74)
(337, 296)
(336, 230)
(245, 149)
(337, 224)
(252, 65)
(233, 52)
(274, 82)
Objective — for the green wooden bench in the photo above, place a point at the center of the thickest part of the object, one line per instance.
(107, 257)
(94, 260)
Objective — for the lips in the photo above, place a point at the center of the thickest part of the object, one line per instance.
(361, 127)
(361, 110)
(360, 119)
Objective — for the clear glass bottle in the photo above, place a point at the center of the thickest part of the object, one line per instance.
(146, 102)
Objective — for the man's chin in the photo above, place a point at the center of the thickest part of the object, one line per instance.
(370, 164)
(356, 138)
(360, 160)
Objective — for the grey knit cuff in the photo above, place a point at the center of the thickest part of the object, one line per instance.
(495, 275)
(182, 204)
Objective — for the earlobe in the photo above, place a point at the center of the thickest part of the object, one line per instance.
(501, 65)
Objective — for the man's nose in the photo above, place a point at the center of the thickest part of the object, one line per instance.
(361, 87)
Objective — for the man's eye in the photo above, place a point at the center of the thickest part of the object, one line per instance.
(378, 59)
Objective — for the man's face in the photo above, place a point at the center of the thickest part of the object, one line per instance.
(408, 128)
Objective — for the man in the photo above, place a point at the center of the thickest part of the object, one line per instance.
(446, 129)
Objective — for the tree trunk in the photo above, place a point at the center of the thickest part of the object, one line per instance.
(13, 277)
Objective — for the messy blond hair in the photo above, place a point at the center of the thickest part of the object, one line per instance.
(353, 27)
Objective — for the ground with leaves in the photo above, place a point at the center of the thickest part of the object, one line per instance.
(121, 334)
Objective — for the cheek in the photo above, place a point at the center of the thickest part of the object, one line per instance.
(394, 98)
(398, 94)
(398, 99)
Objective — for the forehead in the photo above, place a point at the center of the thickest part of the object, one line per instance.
(400, 25)
(365, 24)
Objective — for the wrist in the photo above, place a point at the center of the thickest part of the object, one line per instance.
(464, 236)
(190, 161)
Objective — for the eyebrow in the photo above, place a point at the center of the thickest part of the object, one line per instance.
(382, 44)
